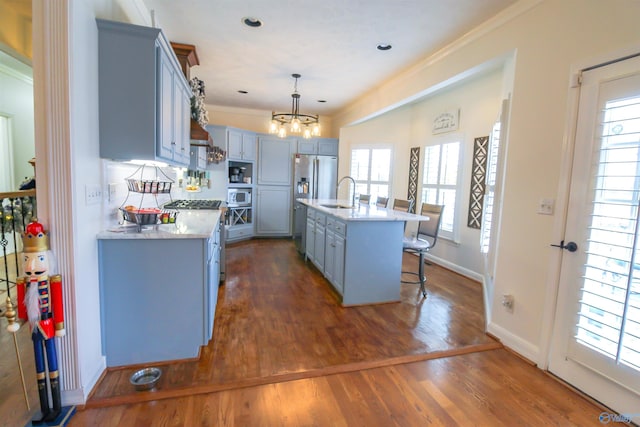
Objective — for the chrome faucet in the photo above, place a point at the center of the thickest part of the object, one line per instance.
(353, 196)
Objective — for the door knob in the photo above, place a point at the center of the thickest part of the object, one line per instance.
(570, 246)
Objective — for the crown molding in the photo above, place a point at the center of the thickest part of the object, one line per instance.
(6, 70)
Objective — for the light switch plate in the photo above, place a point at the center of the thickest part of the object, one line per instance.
(113, 190)
(92, 194)
(545, 207)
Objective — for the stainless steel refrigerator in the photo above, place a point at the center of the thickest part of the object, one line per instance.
(314, 177)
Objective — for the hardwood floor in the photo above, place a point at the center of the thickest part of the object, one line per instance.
(491, 388)
(286, 353)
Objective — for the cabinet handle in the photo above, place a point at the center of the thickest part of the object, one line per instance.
(173, 143)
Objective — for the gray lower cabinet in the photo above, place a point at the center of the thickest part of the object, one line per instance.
(273, 211)
(240, 232)
(334, 252)
(214, 248)
(320, 241)
(310, 235)
(158, 298)
(144, 97)
(361, 259)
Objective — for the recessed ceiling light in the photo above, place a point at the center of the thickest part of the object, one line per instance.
(242, 91)
(383, 47)
(322, 100)
(252, 22)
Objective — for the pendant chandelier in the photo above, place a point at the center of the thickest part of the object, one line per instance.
(294, 122)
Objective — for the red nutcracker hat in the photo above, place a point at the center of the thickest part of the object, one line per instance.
(35, 238)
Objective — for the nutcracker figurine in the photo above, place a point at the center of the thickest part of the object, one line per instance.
(40, 301)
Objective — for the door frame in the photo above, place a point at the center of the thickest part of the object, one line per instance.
(552, 286)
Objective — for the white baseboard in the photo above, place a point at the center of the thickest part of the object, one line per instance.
(514, 342)
(453, 267)
(73, 397)
(79, 396)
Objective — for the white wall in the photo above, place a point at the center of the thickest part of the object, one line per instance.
(548, 37)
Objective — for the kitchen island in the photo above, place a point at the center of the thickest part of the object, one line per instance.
(358, 249)
(159, 288)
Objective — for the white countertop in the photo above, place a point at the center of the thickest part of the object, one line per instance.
(360, 212)
(190, 224)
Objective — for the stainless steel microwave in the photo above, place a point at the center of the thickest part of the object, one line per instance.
(239, 197)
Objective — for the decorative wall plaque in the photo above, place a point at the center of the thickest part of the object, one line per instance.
(414, 163)
(446, 122)
(478, 175)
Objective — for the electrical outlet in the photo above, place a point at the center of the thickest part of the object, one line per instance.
(92, 194)
(507, 302)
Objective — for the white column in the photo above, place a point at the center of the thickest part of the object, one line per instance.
(51, 21)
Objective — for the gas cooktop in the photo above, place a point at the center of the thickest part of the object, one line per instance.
(194, 204)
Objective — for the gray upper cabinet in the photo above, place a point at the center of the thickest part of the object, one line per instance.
(321, 146)
(275, 161)
(241, 144)
(144, 98)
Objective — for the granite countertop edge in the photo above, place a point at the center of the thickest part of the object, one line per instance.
(359, 212)
(190, 224)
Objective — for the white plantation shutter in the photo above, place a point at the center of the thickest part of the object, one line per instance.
(371, 169)
(608, 319)
(490, 189)
(440, 183)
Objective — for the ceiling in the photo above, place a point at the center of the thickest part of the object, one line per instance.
(331, 43)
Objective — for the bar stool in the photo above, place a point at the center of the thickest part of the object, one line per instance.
(402, 205)
(365, 199)
(382, 202)
(425, 240)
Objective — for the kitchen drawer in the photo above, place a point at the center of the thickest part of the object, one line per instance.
(321, 218)
(339, 227)
(311, 214)
(330, 222)
(240, 232)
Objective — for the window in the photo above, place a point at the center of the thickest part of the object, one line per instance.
(440, 183)
(371, 169)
